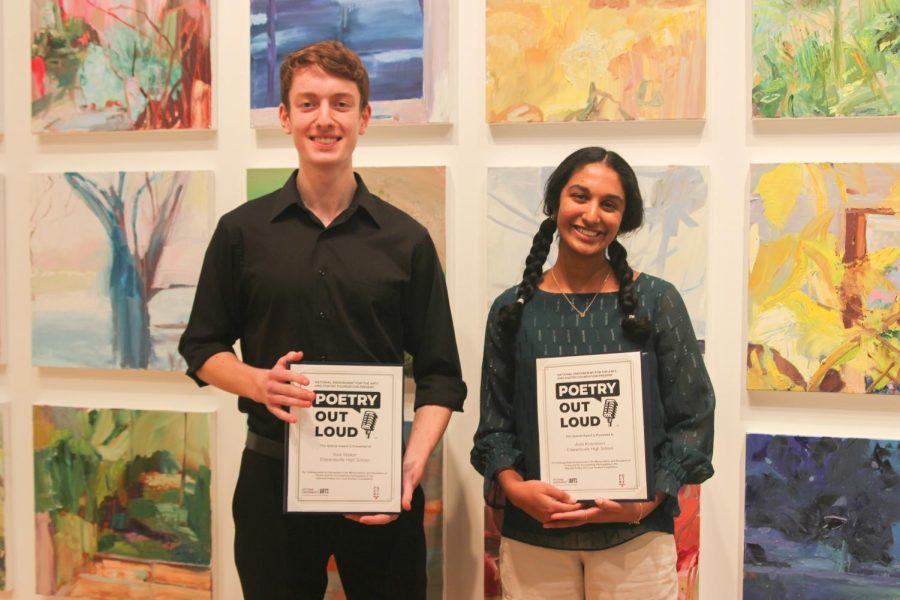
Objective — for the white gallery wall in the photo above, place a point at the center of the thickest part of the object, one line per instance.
(726, 141)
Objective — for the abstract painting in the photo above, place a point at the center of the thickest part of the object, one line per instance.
(421, 193)
(822, 518)
(114, 263)
(687, 544)
(4, 512)
(671, 244)
(403, 44)
(597, 60)
(119, 65)
(823, 303)
(122, 503)
(826, 58)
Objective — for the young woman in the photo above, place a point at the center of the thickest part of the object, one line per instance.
(589, 302)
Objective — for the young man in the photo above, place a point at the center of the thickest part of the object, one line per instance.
(323, 270)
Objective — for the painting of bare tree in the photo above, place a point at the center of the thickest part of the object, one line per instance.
(114, 261)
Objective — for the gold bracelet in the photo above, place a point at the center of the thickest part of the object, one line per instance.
(640, 514)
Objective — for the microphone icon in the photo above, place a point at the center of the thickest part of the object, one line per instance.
(609, 410)
(368, 422)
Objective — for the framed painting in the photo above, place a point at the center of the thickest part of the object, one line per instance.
(120, 65)
(402, 43)
(123, 502)
(115, 259)
(821, 517)
(824, 277)
(604, 60)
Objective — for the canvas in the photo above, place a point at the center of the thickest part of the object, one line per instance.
(403, 44)
(824, 273)
(421, 193)
(671, 244)
(119, 65)
(687, 545)
(822, 518)
(598, 60)
(115, 259)
(122, 503)
(826, 58)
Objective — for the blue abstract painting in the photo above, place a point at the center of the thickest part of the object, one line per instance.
(822, 518)
(391, 36)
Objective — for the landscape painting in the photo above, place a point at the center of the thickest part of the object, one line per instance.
(824, 253)
(120, 65)
(402, 43)
(826, 58)
(822, 518)
(123, 503)
(115, 259)
(671, 244)
(599, 60)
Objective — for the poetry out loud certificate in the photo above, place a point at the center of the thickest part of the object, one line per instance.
(344, 452)
(593, 425)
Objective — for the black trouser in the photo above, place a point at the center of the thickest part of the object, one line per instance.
(284, 556)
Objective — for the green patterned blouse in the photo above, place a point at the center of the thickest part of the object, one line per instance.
(682, 406)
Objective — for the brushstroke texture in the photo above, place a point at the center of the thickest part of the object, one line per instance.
(826, 58)
(389, 36)
(822, 518)
(122, 503)
(115, 259)
(823, 305)
(112, 65)
(557, 60)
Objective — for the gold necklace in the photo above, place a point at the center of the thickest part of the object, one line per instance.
(581, 313)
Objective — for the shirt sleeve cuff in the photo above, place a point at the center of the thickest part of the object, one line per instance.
(198, 358)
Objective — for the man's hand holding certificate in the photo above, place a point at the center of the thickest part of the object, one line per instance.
(593, 423)
(344, 451)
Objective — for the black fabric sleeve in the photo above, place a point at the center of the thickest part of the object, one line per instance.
(687, 398)
(495, 444)
(428, 332)
(214, 325)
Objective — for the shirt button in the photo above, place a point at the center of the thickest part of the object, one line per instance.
(321, 316)
(321, 272)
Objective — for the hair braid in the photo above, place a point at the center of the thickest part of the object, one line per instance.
(637, 330)
(511, 314)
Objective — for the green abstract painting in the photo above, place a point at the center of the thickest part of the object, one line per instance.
(122, 503)
(826, 58)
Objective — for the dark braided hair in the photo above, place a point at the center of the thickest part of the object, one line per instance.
(637, 330)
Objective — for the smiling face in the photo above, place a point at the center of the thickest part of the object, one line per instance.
(324, 118)
(591, 206)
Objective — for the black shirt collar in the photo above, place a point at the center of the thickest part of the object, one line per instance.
(289, 199)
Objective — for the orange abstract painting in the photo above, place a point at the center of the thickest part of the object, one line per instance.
(595, 60)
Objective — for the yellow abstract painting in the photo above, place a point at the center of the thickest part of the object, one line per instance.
(595, 60)
(824, 309)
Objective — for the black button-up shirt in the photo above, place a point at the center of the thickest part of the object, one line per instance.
(362, 290)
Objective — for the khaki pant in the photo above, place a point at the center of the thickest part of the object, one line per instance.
(639, 569)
